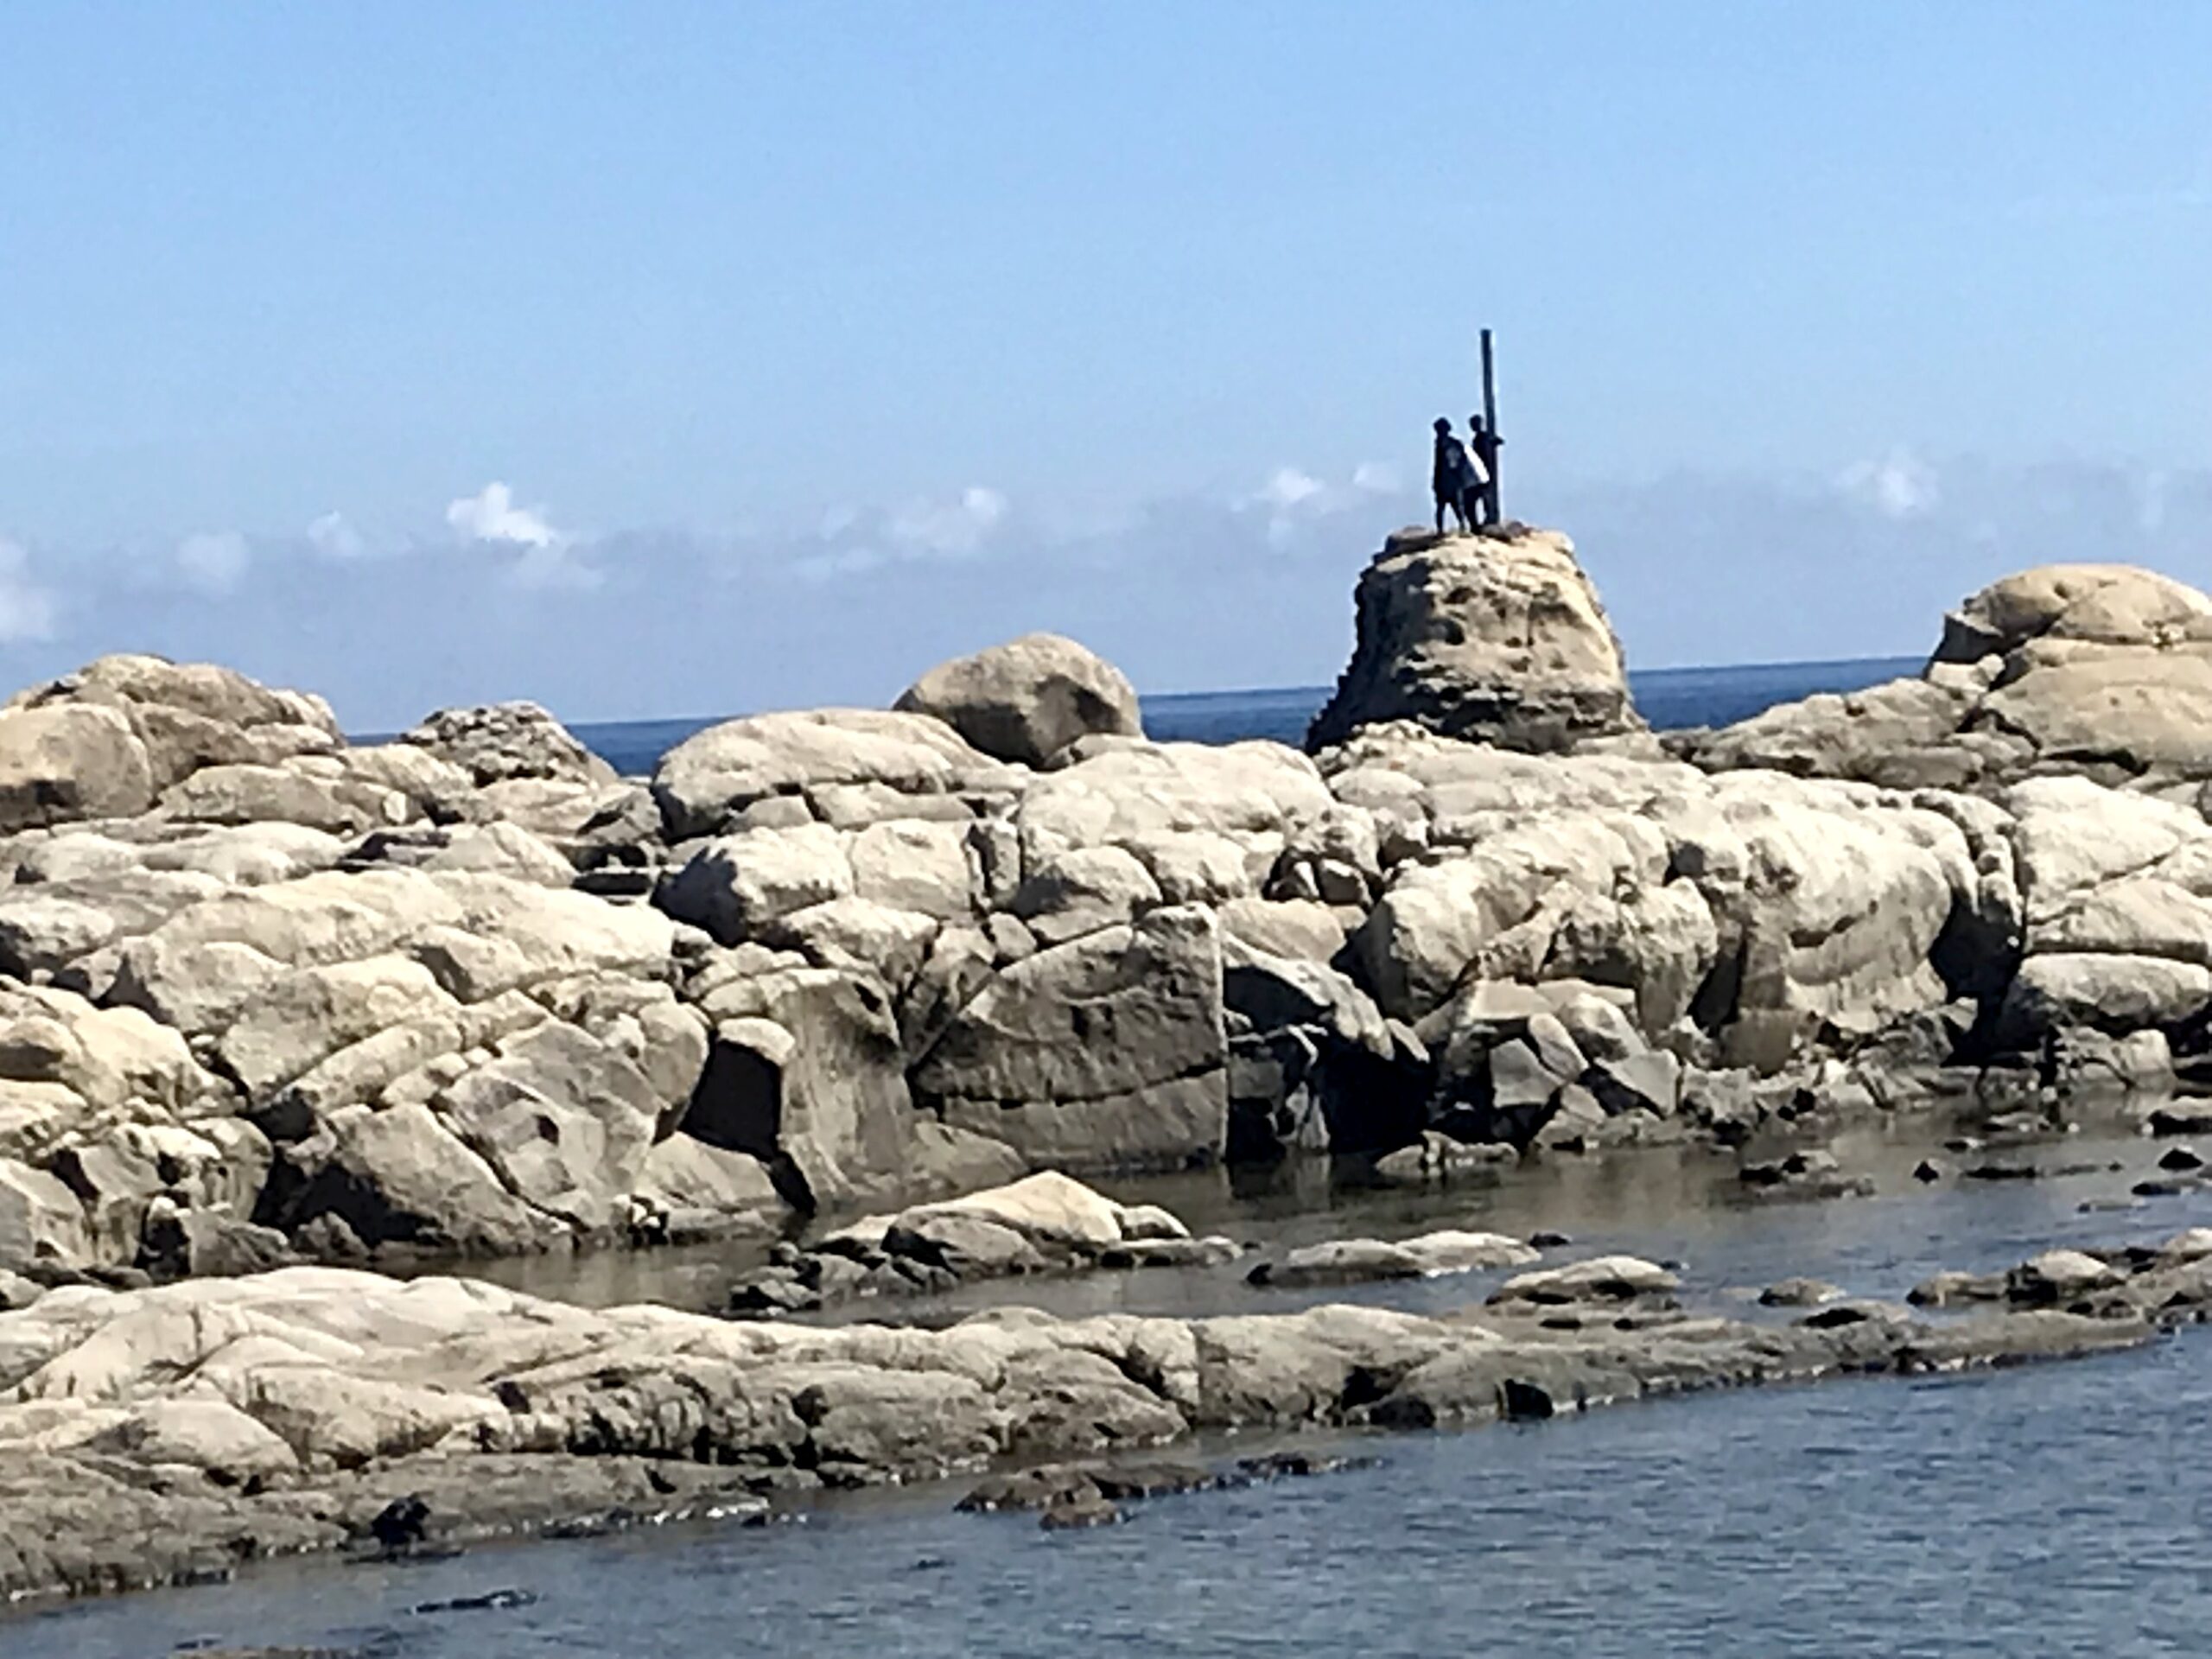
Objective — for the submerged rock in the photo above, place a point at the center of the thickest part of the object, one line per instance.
(1045, 1222)
(1350, 1261)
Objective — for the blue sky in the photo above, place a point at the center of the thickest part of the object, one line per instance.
(679, 358)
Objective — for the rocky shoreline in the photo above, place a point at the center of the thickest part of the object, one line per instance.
(175, 1434)
(268, 996)
(275, 1008)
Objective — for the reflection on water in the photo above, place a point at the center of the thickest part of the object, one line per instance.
(2052, 1509)
(1681, 1203)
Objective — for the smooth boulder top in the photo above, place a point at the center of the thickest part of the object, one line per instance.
(706, 780)
(1497, 637)
(2108, 604)
(2104, 669)
(1028, 700)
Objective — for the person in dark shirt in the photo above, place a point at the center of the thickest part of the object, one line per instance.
(1451, 476)
(1483, 443)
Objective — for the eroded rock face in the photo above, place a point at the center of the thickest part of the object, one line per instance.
(1026, 700)
(2118, 894)
(2104, 671)
(1496, 638)
(499, 742)
(464, 991)
(1107, 1050)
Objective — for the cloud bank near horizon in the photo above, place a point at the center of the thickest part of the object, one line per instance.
(498, 596)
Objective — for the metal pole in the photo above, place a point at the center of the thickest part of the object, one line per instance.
(1489, 424)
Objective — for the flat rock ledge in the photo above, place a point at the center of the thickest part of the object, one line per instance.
(169, 1434)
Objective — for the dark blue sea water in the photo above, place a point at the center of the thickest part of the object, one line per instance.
(1669, 698)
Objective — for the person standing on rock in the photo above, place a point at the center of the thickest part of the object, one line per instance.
(1482, 445)
(1451, 476)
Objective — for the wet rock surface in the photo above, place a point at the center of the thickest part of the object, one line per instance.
(1046, 1223)
(155, 1435)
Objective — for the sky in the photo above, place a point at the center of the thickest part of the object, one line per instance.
(684, 359)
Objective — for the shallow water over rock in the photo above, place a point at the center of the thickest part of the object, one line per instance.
(2034, 1512)
(2044, 1509)
(1679, 1202)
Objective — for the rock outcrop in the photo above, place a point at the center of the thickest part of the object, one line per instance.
(468, 993)
(2096, 670)
(1496, 636)
(1028, 700)
(1043, 1223)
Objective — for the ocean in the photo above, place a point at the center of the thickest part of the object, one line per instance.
(1669, 698)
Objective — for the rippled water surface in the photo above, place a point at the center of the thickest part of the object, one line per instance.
(2052, 1509)
(2057, 1509)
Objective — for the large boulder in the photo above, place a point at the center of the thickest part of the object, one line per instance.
(186, 716)
(400, 1177)
(2117, 889)
(501, 741)
(2100, 604)
(806, 1074)
(705, 782)
(1028, 700)
(73, 760)
(1150, 797)
(735, 886)
(1107, 1052)
(2104, 669)
(1498, 637)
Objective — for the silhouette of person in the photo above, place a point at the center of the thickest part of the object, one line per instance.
(1451, 476)
(2050, 1067)
(1483, 443)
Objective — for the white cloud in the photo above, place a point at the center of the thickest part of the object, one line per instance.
(1290, 488)
(334, 538)
(549, 560)
(1293, 500)
(213, 561)
(948, 528)
(27, 610)
(1899, 486)
(491, 515)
